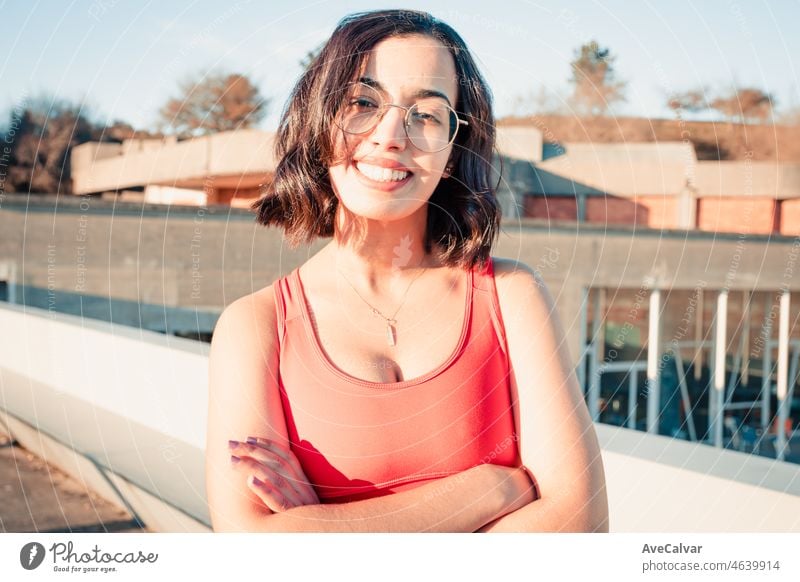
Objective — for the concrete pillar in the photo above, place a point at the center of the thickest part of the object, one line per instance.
(766, 364)
(653, 357)
(717, 394)
(784, 402)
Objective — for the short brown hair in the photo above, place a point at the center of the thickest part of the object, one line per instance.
(463, 212)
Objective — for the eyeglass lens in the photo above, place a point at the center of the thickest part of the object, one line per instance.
(430, 124)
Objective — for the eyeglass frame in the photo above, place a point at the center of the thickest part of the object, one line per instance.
(382, 111)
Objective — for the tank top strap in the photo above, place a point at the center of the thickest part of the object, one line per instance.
(483, 277)
(484, 283)
(286, 301)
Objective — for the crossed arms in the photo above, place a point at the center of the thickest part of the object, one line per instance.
(556, 438)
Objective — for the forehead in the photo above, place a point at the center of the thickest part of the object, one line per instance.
(405, 64)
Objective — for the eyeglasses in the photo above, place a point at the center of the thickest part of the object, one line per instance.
(430, 124)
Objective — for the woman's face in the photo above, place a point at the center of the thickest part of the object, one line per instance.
(405, 70)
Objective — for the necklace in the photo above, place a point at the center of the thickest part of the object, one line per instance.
(391, 322)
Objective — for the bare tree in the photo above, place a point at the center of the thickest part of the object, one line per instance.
(595, 87)
(747, 104)
(44, 133)
(693, 101)
(214, 103)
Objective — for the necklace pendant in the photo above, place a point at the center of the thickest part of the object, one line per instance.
(391, 337)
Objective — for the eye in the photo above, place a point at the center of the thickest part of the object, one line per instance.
(429, 114)
(362, 103)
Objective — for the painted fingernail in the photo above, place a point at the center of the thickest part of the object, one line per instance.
(233, 444)
(252, 440)
(235, 459)
(257, 481)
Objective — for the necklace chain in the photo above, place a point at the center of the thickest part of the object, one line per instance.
(391, 334)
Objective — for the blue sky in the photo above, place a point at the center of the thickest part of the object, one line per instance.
(124, 58)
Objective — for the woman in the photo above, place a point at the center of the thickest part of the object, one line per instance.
(401, 379)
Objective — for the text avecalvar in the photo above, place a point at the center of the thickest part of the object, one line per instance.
(671, 549)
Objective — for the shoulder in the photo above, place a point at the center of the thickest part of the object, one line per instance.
(247, 329)
(526, 304)
(518, 283)
(250, 312)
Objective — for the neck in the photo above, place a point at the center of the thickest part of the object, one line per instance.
(374, 254)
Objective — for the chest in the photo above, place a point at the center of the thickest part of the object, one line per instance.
(427, 330)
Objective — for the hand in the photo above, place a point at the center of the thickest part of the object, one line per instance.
(523, 488)
(273, 473)
(517, 488)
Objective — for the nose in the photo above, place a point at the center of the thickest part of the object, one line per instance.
(390, 131)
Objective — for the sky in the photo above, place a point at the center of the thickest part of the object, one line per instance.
(123, 59)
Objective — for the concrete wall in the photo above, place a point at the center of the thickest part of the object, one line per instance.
(132, 404)
(658, 484)
(125, 411)
(206, 258)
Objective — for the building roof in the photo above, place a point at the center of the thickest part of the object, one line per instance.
(619, 169)
(236, 159)
(746, 178)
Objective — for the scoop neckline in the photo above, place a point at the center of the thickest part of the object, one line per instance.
(310, 332)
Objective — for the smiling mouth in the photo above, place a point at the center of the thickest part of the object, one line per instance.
(379, 174)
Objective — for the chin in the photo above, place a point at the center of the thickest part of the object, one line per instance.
(383, 210)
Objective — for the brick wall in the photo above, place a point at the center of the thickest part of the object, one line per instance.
(745, 215)
(615, 211)
(748, 215)
(551, 207)
(650, 211)
(663, 210)
(790, 217)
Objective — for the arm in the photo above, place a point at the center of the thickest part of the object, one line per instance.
(557, 442)
(244, 400)
(438, 506)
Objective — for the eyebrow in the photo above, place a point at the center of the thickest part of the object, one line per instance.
(420, 93)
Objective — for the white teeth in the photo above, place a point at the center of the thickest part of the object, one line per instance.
(381, 174)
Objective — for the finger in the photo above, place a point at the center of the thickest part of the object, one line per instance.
(283, 452)
(277, 448)
(289, 461)
(261, 454)
(271, 497)
(280, 466)
(269, 476)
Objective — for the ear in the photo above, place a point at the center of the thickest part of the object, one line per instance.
(451, 164)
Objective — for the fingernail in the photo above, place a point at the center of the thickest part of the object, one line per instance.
(257, 481)
(252, 440)
(233, 444)
(235, 459)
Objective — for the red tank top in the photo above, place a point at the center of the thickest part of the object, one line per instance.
(357, 439)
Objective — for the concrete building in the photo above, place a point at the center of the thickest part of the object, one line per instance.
(224, 168)
(654, 185)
